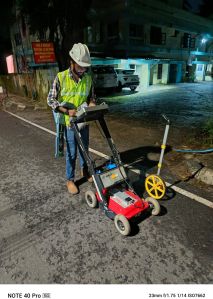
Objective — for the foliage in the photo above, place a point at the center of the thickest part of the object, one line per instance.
(206, 8)
(203, 8)
(207, 132)
(63, 19)
(6, 18)
(208, 128)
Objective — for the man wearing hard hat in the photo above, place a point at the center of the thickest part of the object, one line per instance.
(73, 86)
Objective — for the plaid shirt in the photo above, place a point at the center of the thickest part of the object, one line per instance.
(52, 99)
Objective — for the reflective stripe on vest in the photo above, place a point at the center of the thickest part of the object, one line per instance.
(72, 92)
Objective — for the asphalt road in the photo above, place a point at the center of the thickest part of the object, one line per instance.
(48, 236)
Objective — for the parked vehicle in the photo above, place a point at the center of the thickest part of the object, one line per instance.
(104, 76)
(127, 78)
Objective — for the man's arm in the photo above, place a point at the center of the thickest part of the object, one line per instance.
(52, 99)
(91, 100)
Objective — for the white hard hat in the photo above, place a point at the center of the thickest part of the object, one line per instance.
(80, 54)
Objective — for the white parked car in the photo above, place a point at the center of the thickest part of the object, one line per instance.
(104, 76)
(127, 78)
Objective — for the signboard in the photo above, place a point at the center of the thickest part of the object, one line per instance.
(43, 52)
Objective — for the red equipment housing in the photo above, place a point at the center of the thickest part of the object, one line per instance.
(127, 204)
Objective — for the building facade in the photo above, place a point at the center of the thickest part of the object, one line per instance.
(161, 40)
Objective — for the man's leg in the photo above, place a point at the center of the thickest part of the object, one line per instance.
(71, 160)
(85, 138)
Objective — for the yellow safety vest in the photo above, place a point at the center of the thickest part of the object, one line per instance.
(72, 92)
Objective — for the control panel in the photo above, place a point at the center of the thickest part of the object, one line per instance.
(113, 176)
(123, 199)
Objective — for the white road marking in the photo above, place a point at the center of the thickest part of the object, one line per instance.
(175, 188)
(99, 154)
(191, 195)
(31, 123)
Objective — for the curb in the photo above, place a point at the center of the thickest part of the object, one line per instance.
(205, 175)
(200, 172)
(191, 167)
(20, 106)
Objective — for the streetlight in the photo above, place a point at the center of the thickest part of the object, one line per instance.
(203, 41)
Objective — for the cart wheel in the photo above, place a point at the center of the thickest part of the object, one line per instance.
(154, 204)
(122, 225)
(91, 199)
(155, 186)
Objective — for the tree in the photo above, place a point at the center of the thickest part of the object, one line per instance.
(206, 8)
(64, 20)
(6, 18)
(203, 8)
(5, 44)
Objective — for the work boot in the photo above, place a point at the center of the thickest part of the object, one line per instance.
(85, 173)
(72, 187)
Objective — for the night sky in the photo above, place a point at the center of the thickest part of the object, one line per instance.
(194, 5)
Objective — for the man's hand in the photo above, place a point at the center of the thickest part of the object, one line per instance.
(92, 103)
(72, 112)
(62, 109)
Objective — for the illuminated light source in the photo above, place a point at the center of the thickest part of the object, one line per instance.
(203, 41)
(10, 64)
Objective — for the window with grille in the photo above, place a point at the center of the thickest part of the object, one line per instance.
(136, 34)
(113, 31)
(199, 67)
(136, 30)
(159, 74)
(156, 36)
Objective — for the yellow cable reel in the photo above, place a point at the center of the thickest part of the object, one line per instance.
(155, 186)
